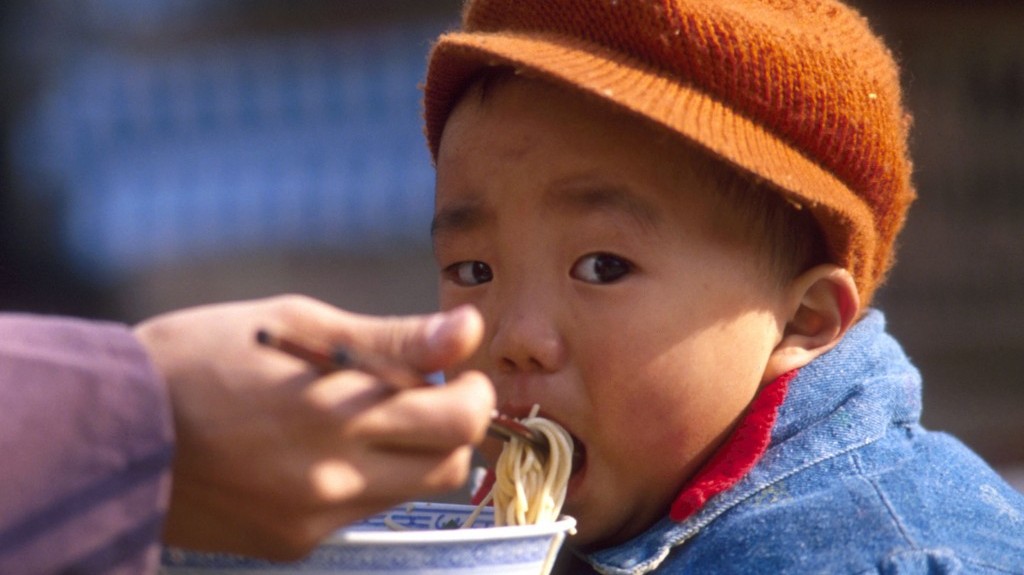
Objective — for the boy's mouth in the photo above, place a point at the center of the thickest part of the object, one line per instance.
(579, 450)
(579, 455)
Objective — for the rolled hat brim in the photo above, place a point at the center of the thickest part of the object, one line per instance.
(667, 104)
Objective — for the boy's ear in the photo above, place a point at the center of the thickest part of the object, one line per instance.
(821, 304)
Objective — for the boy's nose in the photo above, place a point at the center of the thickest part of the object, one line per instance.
(527, 340)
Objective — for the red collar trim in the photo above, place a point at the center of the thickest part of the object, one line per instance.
(485, 487)
(738, 455)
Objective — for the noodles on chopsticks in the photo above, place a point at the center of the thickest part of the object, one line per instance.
(530, 488)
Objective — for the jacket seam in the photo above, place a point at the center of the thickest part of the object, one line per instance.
(958, 556)
(986, 564)
(880, 493)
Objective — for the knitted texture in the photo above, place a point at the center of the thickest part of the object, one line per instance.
(798, 93)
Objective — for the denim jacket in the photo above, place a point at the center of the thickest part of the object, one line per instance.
(850, 483)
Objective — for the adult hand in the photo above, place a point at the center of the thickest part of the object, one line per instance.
(272, 456)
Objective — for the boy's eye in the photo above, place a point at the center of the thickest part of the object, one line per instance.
(469, 273)
(601, 268)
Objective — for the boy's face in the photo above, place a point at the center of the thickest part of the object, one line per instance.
(584, 239)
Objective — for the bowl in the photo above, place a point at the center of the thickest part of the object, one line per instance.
(429, 542)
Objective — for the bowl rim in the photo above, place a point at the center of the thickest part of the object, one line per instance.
(354, 535)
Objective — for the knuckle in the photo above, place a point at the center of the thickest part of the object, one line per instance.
(332, 482)
(290, 305)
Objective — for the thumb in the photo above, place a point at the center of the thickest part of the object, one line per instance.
(428, 343)
(451, 337)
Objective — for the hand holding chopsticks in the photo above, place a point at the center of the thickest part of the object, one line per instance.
(265, 465)
(392, 372)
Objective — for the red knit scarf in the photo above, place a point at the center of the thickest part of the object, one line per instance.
(730, 462)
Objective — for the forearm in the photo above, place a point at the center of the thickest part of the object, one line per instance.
(86, 441)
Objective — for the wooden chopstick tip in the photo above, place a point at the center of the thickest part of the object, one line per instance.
(324, 361)
(264, 337)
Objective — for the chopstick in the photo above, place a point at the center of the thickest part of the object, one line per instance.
(393, 372)
(339, 358)
(506, 428)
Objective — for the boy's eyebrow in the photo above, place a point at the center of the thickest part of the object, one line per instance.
(460, 215)
(571, 196)
(581, 197)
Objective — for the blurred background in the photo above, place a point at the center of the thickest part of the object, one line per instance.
(164, 153)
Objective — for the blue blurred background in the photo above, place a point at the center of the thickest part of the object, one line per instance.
(163, 153)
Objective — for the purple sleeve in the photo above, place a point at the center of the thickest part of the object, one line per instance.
(86, 440)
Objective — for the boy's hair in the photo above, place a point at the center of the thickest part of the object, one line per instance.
(799, 97)
(786, 236)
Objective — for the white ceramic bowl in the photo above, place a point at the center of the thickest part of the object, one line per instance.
(429, 546)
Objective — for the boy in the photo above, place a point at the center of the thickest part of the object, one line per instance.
(673, 216)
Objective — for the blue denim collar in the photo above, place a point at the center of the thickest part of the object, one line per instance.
(845, 399)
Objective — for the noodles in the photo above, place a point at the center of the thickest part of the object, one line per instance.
(530, 488)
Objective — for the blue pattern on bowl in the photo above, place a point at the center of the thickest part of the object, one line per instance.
(431, 544)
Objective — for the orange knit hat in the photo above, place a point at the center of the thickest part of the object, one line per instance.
(799, 93)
